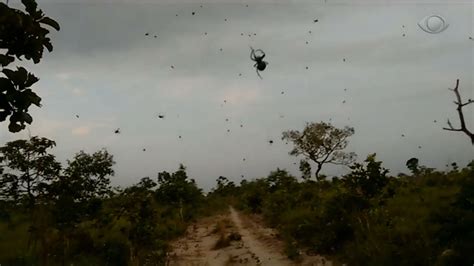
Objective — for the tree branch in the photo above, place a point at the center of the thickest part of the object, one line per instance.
(332, 150)
(460, 105)
(468, 102)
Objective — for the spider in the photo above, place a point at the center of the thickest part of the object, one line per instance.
(117, 131)
(259, 65)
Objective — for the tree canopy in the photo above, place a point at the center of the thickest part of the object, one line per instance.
(321, 143)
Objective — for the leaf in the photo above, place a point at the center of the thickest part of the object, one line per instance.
(48, 46)
(5, 60)
(6, 85)
(51, 22)
(26, 117)
(3, 115)
(14, 127)
(32, 97)
(30, 6)
(32, 79)
(9, 73)
(18, 77)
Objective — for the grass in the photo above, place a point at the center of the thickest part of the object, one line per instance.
(221, 228)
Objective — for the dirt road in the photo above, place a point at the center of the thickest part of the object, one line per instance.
(233, 239)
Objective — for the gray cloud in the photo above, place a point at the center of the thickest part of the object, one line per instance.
(105, 69)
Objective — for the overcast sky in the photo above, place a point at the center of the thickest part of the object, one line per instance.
(104, 69)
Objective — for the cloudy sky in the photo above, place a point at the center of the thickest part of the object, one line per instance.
(394, 81)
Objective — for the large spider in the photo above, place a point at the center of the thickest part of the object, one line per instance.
(259, 65)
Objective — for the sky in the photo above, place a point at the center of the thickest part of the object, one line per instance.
(364, 64)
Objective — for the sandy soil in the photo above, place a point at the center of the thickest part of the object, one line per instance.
(233, 239)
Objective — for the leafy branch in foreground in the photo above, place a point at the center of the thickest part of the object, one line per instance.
(21, 35)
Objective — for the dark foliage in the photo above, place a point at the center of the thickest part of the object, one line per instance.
(22, 35)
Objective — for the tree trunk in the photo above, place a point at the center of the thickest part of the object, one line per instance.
(181, 210)
(320, 165)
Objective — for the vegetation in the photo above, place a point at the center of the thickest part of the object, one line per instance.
(370, 218)
(322, 143)
(366, 217)
(21, 35)
(56, 215)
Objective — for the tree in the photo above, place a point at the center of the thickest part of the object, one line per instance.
(89, 174)
(305, 169)
(413, 166)
(136, 204)
(280, 179)
(321, 143)
(78, 192)
(21, 35)
(176, 190)
(77, 195)
(463, 128)
(30, 169)
(224, 187)
(369, 179)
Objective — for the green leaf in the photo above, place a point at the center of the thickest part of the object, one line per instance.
(51, 22)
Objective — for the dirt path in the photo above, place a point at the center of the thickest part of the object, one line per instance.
(267, 255)
(232, 239)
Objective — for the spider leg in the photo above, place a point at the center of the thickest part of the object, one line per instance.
(258, 73)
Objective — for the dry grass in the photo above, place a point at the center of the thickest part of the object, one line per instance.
(222, 228)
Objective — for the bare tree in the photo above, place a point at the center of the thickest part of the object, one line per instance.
(460, 105)
(321, 143)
